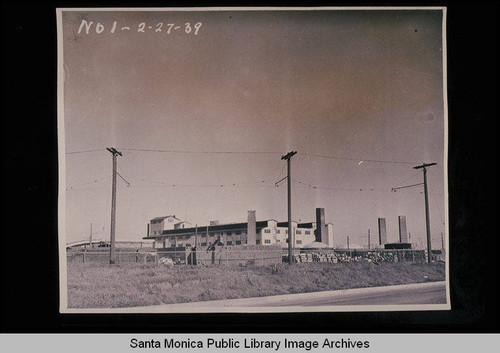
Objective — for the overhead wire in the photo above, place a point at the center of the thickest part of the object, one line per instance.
(86, 151)
(356, 159)
(197, 152)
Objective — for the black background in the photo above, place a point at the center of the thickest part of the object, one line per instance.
(29, 257)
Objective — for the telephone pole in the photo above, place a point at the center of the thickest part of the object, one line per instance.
(90, 236)
(427, 220)
(288, 158)
(114, 152)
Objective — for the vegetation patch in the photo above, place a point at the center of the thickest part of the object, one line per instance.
(98, 285)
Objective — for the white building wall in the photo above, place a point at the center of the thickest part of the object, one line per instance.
(329, 232)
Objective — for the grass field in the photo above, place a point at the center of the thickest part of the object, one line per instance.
(100, 285)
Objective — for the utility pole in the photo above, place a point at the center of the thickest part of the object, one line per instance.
(114, 152)
(427, 220)
(369, 246)
(288, 158)
(90, 236)
(347, 242)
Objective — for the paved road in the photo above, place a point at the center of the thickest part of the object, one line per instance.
(408, 294)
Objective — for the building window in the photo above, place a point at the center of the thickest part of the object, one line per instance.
(278, 231)
(299, 232)
(238, 242)
(308, 232)
(229, 242)
(298, 242)
(286, 231)
(267, 230)
(257, 241)
(267, 241)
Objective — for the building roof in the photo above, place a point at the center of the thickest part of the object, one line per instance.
(183, 222)
(163, 217)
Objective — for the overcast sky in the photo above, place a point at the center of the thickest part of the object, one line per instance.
(364, 88)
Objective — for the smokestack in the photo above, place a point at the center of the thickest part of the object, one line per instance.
(403, 235)
(382, 231)
(320, 234)
(251, 229)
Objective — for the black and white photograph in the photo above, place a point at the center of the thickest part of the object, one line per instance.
(242, 160)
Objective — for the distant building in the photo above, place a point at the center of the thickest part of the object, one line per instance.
(158, 224)
(251, 232)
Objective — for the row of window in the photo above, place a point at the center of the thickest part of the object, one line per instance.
(237, 242)
(229, 242)
(307, 232)
(279, 241)
(298, 231)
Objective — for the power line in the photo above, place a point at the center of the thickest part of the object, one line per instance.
(356, 159)
(249, 152)
(89, 182)
(128, 184)
(306, 185)
(405, 187)
(198, 152)
(244, 184)
(87, 151)
(410, 177)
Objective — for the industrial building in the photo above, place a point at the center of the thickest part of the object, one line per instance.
(171, 232)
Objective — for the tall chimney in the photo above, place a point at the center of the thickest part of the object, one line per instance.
(320, 235)
(251, 229)
(382, 231)
(403, 234)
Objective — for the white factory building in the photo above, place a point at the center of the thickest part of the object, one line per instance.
(171, 232)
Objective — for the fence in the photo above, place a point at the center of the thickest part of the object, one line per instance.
(104, 256)
(263, 255)
(230, 257)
